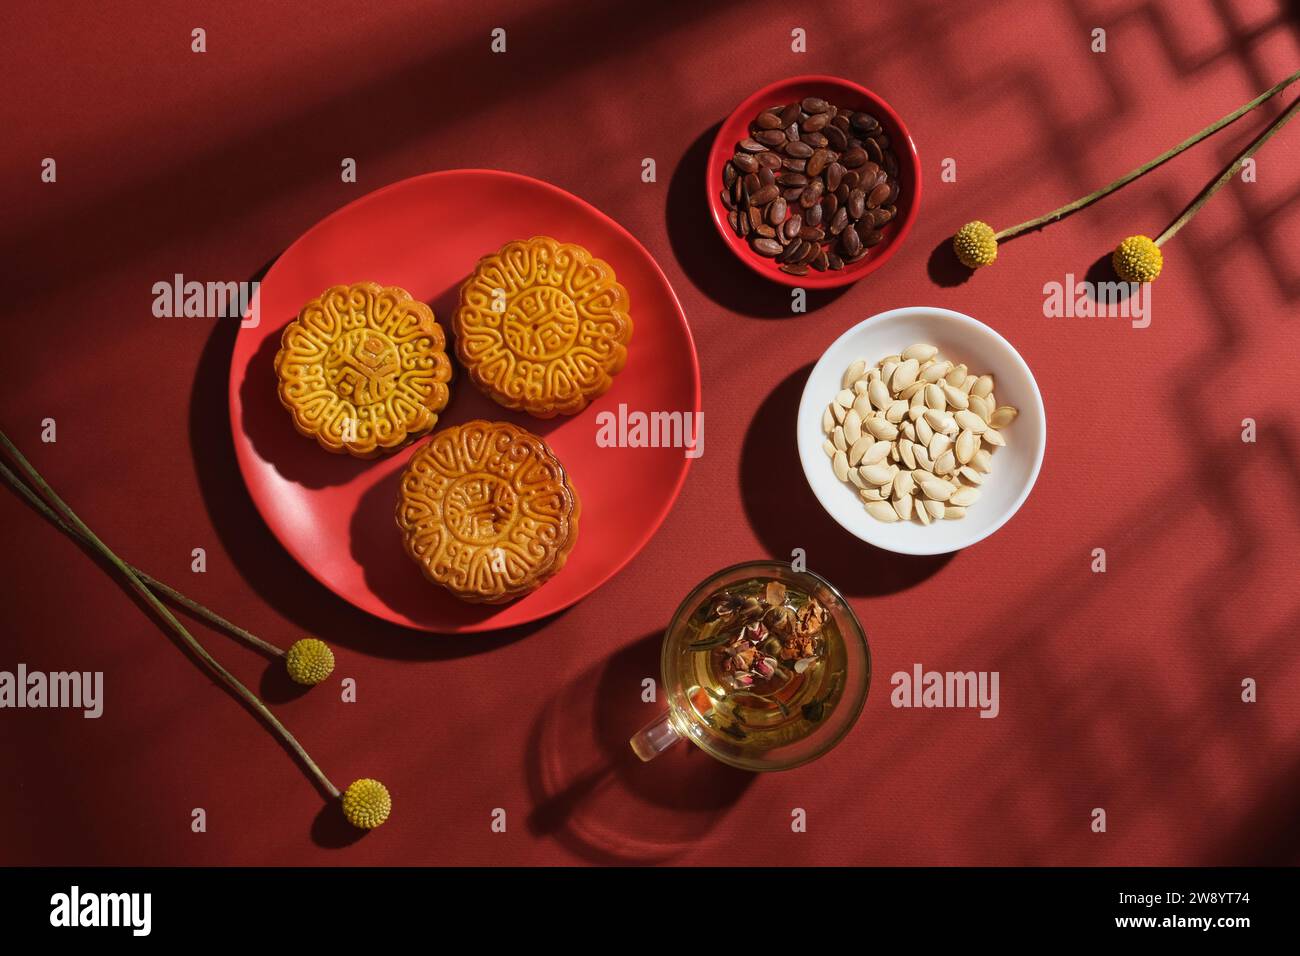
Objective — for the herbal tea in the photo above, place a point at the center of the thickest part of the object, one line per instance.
(762, 665)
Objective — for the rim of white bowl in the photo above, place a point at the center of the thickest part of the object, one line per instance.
(807, 402)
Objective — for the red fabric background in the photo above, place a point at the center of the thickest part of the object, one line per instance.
(1119, 690)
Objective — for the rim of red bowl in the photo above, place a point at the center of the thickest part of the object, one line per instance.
(724, 147)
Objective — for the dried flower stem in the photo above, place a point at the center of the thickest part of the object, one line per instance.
(1227, 174)
(154, 584)
(1164, 157)
(70, 517)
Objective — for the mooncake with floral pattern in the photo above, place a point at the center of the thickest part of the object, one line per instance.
(543, 326)
(487, 511)
(363, 369)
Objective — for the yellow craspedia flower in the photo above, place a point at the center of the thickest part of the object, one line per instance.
(309, 661)
(975, 245)
(366, 803)
(1137, 259)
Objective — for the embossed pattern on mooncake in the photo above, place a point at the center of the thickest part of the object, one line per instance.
(363, 369)
(543, 326)
(487, 511)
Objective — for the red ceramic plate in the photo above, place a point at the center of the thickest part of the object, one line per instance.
(846, 95)
(335, 514)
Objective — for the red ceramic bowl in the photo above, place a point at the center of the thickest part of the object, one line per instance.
(846, 95)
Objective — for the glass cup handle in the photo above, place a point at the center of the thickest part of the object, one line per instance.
(655, 737)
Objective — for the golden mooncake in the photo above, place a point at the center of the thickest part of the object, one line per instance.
(487, 511)
(363, 369)
(542, 326)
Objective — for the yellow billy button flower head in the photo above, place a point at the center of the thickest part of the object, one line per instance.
(1137, 259)
(366, 803)
(975, 245)
(309, 661)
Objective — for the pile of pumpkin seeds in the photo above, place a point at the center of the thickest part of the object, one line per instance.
(914, 434)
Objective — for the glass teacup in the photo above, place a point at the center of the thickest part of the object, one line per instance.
(764, 667)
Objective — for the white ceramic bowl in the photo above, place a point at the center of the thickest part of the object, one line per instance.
(961, 339)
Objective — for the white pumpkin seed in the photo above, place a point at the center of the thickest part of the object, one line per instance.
(922, 515)
(859, 448)
(885, 431)
(935, 508)
(908, 431)
(876, 474)
(896, 412)
(844, 397)
(954, 514)
(1003, 416)
(905, 374)
(882, 511)
(970, 474)
(967, 445)
(955, 396)
(983, 386)
(853, 373)
(924, 433)
(879, 395)
(856, 478)
(875, 452)
(838, 439)
(934, 398)
(936, 488)
(936, 371)
(945, 464)
(905, 452)
(841, 465)
(938, 445)
(969, 419)
(941, 421)
(852, 426)
(861, 385)
(903, 506)
(964, 497)
(920, 351)
(862, 405)
(993, 437)
(871, 493)
(980, 407)
(829, 448)
(922, 457)
(956, 376)
(982, 461)
(904, 484)
(828, 421)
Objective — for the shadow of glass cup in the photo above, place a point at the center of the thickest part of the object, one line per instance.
(795, 721)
